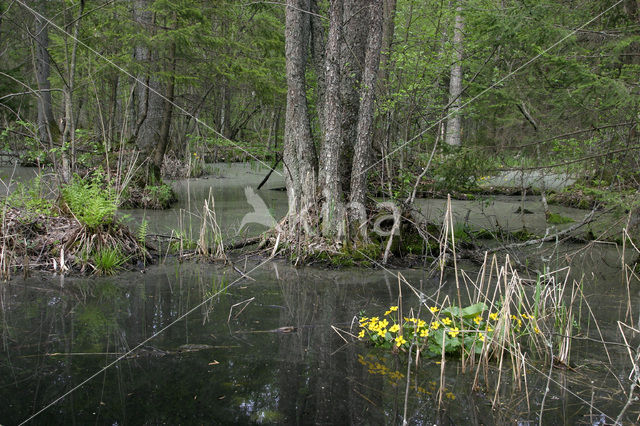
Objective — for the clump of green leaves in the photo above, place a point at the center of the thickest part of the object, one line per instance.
(89, 201)
(450, 330)
(108, 260)
(459, 169)
(160, 196)
(558, 219)
(30, 198)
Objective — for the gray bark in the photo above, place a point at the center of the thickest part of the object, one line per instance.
(318, 58)
(355, 29)
(48, 131)
(454, 122)
(299, 151)
(364, 138)
(330, 155)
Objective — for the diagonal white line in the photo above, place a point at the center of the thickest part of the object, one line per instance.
(139, 81)
(153, 336)
(529, 62)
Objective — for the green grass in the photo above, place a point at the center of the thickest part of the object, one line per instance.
(109, 260)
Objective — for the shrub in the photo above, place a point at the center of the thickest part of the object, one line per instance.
(30, 198)
(89, 202)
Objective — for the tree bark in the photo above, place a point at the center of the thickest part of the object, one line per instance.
(319, 61)
(454, 122)
(330, 155)
(366, 112)
(356, 21)
(167, 113)
(299, 150)
(150, 105)
(48, 130)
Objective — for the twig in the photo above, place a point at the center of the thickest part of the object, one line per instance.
(245, 302)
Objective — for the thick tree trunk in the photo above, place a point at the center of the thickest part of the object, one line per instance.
(454, 122)
(319, 61)
(366, 113)
(356, 21)
(299, 150)
(330, 154)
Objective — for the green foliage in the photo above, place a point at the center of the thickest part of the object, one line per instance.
(30, 197)
(459, 169)
(141, 235)
(450, 330)
(108, 260)
(160, 195)
(558, 219)
(89, 201)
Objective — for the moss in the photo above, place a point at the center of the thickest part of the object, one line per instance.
(523, 235)
(557, 219)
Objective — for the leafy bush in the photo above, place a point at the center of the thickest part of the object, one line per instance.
(460, 168)
(89, 202)
(30, 198)
(160, 195)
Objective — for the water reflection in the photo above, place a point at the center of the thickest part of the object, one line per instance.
(236, 368)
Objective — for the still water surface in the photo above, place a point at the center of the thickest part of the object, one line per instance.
(228, 361)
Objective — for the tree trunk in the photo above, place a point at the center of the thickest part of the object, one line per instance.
(356, 21)
(299, 150)
(48, 130)
(330, 154)
(68, 132)
(454, 120)
(366, 112)
(163, 137)
(319, 61)
(150, 105)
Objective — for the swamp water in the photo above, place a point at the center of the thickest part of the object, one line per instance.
(267, 351)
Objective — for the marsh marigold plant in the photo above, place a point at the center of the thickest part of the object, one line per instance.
(450, 329)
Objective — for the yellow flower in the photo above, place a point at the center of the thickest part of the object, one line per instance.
(481, 337)
(400, 340)
(424, 332)
(382, 332)
(493, 316)
(421, 323)
(477, 319)
(537, 330)
(384, 323)
(489, 329)
(434, 309)
(361, 334)
(435, 325)
(450, 396)
(525, 316)
(394, 328)
(391, 309)
(446, 321)
(453, 332)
